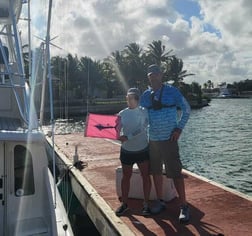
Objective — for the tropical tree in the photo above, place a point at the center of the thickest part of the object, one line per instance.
(210, 84)
(135, 72)
(59, 71)
(192, 92)
(118, 72)
(196, 90)
(157, 52)
(205, 86)
(133, 52)
(119, 68)
(109, 78)
(174, 71)
(73, 75)
(84, 67)
(97, 83)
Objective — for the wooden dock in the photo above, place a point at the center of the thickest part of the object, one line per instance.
(215, 210)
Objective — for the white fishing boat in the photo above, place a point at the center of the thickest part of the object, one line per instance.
(30, 203)
(225, 93)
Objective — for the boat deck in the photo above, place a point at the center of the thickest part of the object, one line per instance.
(214, 209)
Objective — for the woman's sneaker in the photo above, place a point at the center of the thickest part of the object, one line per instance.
(121, 209)
(184, 214)
(146, 210)
(159, 207)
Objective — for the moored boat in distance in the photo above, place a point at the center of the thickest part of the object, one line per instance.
(30, 203)
(226, 92)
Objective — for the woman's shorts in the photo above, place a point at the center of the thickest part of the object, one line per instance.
(130, 158)
(167, 153)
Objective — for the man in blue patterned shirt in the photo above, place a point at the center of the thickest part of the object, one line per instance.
(168, 114)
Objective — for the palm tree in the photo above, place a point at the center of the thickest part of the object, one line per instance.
(116, 58)
(133, 52)
(174, 70)
(92, 77)
(73, 69)
(115, 67)
(158, 53)
(110, 78)
(59, 71)
(205, 86)
(135, 72)
(210, 84)
(196, 89)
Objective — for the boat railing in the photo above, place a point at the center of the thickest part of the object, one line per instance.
(12, 76)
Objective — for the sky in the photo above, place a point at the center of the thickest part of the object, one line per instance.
(212, 37)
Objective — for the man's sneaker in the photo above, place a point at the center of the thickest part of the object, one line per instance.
(120, 210)
(184, 214)
(146, 210)
(160, 207)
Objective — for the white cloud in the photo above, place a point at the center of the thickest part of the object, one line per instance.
(95, 28)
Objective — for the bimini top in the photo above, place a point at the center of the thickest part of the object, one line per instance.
(7, 8)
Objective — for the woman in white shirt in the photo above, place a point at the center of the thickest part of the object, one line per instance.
(134, 148)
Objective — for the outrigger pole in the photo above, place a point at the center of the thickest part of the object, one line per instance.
(49, 75)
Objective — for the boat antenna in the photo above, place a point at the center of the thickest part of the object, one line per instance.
(88, 86)
(50, 92)
(29, 40)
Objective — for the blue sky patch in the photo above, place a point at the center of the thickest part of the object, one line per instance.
(189, 8)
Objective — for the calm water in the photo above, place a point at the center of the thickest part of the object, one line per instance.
(216, 143)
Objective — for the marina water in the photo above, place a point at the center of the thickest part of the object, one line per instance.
(216, 142)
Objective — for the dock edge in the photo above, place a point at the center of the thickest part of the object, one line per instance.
(100, 213)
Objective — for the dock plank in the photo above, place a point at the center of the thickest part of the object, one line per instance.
(215, 209)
